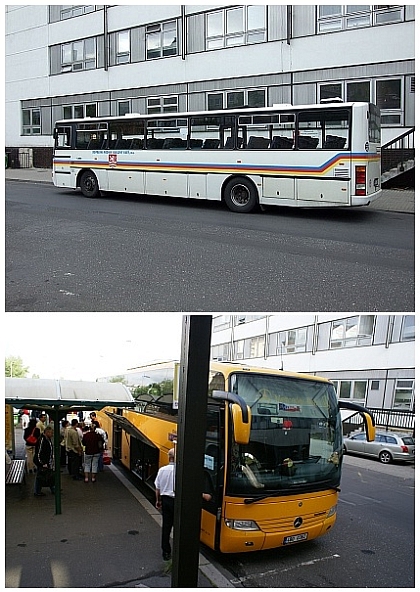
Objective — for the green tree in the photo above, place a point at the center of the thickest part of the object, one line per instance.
(14, 367)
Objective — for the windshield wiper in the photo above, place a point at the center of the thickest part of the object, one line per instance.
(251, 500)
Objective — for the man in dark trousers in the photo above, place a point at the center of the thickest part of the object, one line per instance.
(165, 501)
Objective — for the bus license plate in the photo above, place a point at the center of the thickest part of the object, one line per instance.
(294, 538)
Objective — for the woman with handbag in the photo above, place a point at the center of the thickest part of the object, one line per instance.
(44, 460)
(31, 435)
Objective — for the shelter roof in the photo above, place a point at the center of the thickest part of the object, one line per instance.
(66, 394)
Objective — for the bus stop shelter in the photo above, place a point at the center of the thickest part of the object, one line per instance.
(57, 398)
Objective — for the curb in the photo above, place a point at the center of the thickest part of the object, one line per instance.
(216, 578)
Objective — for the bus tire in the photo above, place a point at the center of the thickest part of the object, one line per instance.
(240, 195)
(89, 185)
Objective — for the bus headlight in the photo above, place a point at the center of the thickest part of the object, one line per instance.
(332, 511)
(241, 524)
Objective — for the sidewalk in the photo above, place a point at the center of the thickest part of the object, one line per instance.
(107, 536)
(393, 200)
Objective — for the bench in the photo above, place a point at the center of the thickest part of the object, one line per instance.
(15, 475)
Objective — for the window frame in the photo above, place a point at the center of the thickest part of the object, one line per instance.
(158, 31)
(31, 128)
(72, 65)
(357, 340)
(225, 38)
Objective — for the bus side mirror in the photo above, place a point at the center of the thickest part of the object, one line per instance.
(367, 417)
(241, 415)
(241, 428)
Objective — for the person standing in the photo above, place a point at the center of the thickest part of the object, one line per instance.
(24, 419)
(42, 422)
(74, 450)
(31, 435)
(104, 437)
(94, 444)
(165, 501)
(63, 437)
(44, 460)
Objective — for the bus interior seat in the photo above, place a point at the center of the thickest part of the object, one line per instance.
(211, 143)
(229, 142)
(174, 144)
(258, 142)
(154, 143)
(334, 142)
(136, 144)
(307, 142)
(95, 144)
(281, 142)
(196, 143)
(122, 144)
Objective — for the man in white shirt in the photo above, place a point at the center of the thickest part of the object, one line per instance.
(165, 501)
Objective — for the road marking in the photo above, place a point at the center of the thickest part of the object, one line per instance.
(277, 571)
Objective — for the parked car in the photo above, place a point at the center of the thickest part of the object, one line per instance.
(387, 446)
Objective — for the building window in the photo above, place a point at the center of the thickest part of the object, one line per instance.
(404, 394)
(239, 349)
(350, 91)
(220, 352)
(123, 47)
(78, 55)
(241, 319)
(351, 389)
(162, 105)
(79, 111)
(352, 332)
(31, 122)
(340, 17)
(358, 91)
(236, 99)
(408, 329)
(384, 15)
(389, 100)
(123, 107)
(161, 40)
(221, 322)
(72, 11)
(256, 347)
(240, 25)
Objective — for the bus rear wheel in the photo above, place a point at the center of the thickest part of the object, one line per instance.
(89, 185)
(240, 195)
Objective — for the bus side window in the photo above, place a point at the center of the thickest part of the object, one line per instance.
(63, 137)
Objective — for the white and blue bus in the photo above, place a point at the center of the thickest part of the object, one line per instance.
(301, 156)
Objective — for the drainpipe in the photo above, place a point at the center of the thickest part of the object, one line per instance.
(106, 49)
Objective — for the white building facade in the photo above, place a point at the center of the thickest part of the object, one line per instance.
(369, 357)
(66, 61)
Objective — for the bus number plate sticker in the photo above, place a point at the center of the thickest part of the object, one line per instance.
(294, 538)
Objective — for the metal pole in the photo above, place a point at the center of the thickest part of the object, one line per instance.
(193, 390)
(57, 470)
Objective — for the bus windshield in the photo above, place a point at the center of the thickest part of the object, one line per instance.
(296, 436)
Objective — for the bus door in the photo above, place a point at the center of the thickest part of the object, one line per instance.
(322, 153)
(143, 458)
(213, 480)
(373, 176)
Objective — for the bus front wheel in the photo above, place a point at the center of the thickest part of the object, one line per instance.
(240, 195)
(89, 185)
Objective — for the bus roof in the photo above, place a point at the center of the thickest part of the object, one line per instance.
(219, 112)
(230, 367)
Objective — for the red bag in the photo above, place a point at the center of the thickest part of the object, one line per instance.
(32, 440)
(106, 457)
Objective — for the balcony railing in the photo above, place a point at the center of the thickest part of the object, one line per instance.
(398, 155)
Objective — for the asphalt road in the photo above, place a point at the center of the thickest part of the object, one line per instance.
(370, 546)
(134, 253)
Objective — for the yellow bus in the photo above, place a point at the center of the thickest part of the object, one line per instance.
(273, 450)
